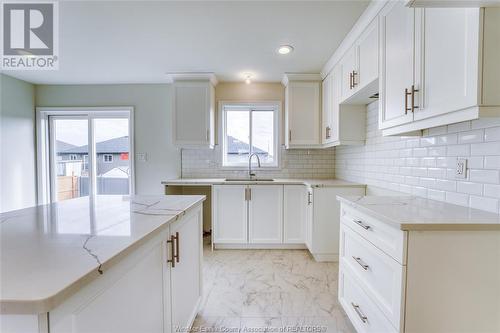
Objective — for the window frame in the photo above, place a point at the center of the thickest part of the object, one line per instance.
(45, 173)
(104, 158)
(254, 106)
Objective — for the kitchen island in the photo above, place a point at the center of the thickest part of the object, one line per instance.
(135, 259)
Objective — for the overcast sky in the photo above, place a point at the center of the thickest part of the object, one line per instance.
(75, 131)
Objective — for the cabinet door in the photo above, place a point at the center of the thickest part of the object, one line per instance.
(193, 113)
(186, 273)
(303, 113)
(230, 214)
(336, 96)
(348, 73)
(327, 109)
(449, 69)
(265, 214)
(368, 55)
(132, 296)
(294, 213)
(396, 63)
(326, 221)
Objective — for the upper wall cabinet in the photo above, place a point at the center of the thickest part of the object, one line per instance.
(437, 66)
(302, 110)
(343, 124)
(359, 67)
(193, 113)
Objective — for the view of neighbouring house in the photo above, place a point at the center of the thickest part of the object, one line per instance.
(112, 166)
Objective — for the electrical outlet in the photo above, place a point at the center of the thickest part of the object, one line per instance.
(461, 168)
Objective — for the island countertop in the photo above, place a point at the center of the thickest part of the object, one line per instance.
(277, 181)
(48, 252)
(416, 213)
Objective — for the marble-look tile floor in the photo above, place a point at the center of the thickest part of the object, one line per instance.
(268, 291)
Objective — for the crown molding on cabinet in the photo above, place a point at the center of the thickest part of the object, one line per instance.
(192, 76)
(300, 77)
(452, 4)
(371, 12)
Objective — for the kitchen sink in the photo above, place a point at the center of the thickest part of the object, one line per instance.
(249, 180)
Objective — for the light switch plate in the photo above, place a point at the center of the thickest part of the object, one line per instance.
(461, 168)
(141, 157)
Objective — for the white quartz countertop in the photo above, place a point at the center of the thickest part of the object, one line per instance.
(277, 181)
(415, 213)
(49, 252)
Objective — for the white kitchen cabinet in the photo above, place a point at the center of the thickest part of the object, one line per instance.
(230, 214)
(295, 211)
(437, 66)
(327, 109)
(359, 68)
(343, 124)
(193, 114)
(325, 226)
(302, 111)
(265, 214)
(421, 279)
(144, 292)
(397, 28)
(185, 275)
(348, 72)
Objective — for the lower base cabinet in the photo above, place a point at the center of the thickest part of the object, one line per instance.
(417, 281)
(144, 292)
(323, 233)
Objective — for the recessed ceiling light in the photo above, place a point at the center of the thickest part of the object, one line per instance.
(248, 78)
(285, 49)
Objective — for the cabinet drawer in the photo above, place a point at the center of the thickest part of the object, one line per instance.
(387, 238)
(381, 276)
(361, 310)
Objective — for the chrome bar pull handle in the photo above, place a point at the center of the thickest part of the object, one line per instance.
(361, 224)
(309, 198)
(361, 315)
(361, 263)
(350, 81)
(354, 84)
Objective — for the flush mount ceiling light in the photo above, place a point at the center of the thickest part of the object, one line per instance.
(248, 78)
(285, 49)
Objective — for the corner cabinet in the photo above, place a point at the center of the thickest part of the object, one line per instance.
(426, 82)
(193, 109)
(302, 110)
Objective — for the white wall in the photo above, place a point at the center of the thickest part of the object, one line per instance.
(152, 105)
(17, 144)
(425, 166)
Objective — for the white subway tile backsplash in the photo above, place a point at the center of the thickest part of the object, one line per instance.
(487, 148)
(492, 190)
(471, 136)
(492, 162)
(492, 134)
(426, 165)
(484, 176)
(470, 188)
(484, 203)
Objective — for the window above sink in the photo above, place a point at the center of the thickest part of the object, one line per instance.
(249, 128)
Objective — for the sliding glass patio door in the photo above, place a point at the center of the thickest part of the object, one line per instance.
(88, 152)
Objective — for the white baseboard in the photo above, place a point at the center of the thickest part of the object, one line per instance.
(325, 257)
(260, 246)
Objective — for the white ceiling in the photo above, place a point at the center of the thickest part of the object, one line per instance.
(140, 41)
